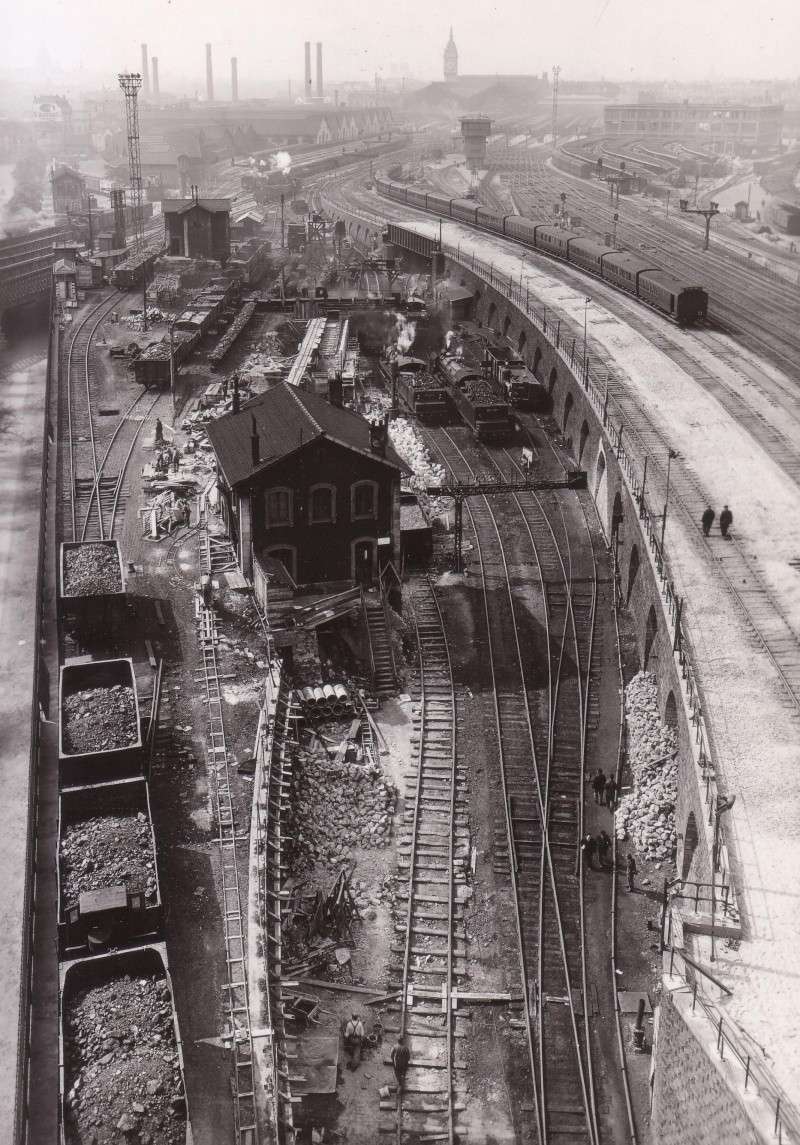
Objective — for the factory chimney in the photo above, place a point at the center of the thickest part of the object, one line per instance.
(319, 70)
(255, 448)
(154, 66)
(145, 73)
(209, 76)
(234, 79)
(307, 88)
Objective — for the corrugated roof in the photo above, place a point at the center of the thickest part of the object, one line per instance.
(287, 419)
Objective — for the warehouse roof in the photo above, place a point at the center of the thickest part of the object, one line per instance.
(287, 419)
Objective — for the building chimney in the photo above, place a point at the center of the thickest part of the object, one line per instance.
(154, 67)
(236, 402)
(145, 73)
(319, 70)
(255, 449)
(234, 79)
(209, 76)
(335, 389)
(378, 433)
(307, 88)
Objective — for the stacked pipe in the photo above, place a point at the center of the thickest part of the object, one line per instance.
(328, 701)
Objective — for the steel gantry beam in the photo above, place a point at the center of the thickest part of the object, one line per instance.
(459, 491)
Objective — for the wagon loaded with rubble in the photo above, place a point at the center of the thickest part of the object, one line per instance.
(120, 1054)
(99, 734)
(92, 597)
(108, 892)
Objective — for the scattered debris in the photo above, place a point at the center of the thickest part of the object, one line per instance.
(647, 814)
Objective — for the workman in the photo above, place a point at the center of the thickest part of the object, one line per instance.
(631, 871)
(725, 521)
(599, 785)
(604, 847)
(588, 847)
(707, 520)
(353, 1037)
(611, 792)
(401, 1056)
(159, 431)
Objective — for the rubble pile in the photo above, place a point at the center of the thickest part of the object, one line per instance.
(647, 814)
(425, 471)
(340, 807)
(123, 1075)
(99, 719)
(91, 570)
(107, 850)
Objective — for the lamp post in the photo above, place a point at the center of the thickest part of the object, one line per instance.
(614, 236)
(672, 453)
(586, 304)
(722, 806)
(708, 214)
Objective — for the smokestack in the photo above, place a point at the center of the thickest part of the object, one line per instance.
(145, 72)
(234, 79)
(319, 70)
(307, 88)
(209, 76)
(154, 66)
(255, 450)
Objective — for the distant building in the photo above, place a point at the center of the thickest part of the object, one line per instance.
(198, 227)
(743, 127)
(69, 190)
(450, 60)
(309, 484)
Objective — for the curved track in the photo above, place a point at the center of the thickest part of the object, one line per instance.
(541, 742)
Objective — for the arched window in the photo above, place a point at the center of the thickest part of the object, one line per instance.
(583, 439)
(322, 505)
(650, 633)
(671, 712)
(551, 385)
(364, 500)
(537, 361)
(287, 555)
(278, 507)
(569, 402)
(633, 571)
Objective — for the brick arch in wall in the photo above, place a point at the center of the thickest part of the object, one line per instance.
(671, 711)
(616, 513)
(691, 837)
(537, 361)
(569, 402)
(650, 633)
(551, 381)
(506, 325)
(601, 490)
(634, 563)
(491, 317)
(582, 439)
(522, 342)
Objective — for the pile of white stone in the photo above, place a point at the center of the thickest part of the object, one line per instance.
(647, 814)
(425, 471)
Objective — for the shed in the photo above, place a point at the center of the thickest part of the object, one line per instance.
(198, 227)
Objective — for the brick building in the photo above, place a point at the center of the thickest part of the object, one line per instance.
(198, 227)
(308, 483)
(744, 127)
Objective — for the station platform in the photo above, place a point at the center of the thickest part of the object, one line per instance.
(22, 416)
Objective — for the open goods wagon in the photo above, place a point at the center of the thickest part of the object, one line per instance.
(121, 1074)
(108, 891)
(99, 733)
(91, 587)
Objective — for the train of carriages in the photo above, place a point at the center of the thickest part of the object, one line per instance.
(116, 1006)
(640, 276)
(484, 395)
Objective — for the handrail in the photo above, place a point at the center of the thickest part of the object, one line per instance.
(369, 635)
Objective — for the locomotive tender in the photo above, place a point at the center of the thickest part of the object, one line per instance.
(684, 303)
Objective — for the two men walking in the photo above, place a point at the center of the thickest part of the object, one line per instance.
(725, 521)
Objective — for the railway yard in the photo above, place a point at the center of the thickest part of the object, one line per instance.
(321, 852)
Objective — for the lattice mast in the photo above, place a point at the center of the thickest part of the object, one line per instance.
(130, 82)
(554, 132)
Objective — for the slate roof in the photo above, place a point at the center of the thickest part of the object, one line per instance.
(287, 419)
(178, 206)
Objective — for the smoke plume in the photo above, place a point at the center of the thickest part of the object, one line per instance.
(282, 161)
(24, 207)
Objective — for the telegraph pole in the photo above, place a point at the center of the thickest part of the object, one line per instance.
(708, 214)
(554, 129)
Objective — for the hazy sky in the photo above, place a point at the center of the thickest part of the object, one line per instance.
(618, 39)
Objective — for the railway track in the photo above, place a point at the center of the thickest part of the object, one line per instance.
(434, 855)
(97, 451)
(541, 741)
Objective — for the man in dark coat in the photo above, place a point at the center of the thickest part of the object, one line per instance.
(631, 869)
(588, 847)
(599, 785)
(401, 1056)
(708, 520)
(725, 521)
(611, 792)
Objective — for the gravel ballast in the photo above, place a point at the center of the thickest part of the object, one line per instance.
(647, 814)
(123, 1076)
(106, 851)
(99, 719)
(92, 570)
